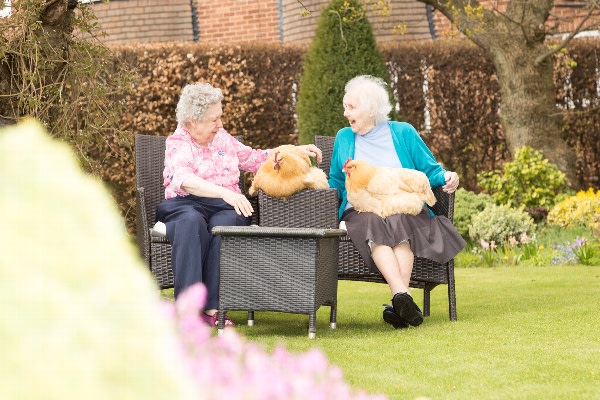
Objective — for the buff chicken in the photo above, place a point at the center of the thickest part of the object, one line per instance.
(386, 191)
(286, 171)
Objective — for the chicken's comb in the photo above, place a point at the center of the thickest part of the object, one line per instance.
(276, 165)
(346, 163)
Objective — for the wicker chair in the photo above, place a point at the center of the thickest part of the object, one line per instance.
(289, 266)
(426, 274)
(149, 165)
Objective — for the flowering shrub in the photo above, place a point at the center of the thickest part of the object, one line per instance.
(529, 247)
(488, 252)
(466, 205)
(512, 251)
(564, 255)
(528, 181)
(582, 209)
(498, 223)
(227, 367)
(583, 250)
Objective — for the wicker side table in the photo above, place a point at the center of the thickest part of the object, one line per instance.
(278, 269)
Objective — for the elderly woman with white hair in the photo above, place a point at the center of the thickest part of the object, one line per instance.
(390, 244)
(201, 179)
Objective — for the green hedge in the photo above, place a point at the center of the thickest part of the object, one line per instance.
(260, 84)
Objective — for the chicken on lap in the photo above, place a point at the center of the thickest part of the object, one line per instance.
(386, 191)
(287, 171)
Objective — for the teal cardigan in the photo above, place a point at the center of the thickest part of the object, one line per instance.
(411, 149)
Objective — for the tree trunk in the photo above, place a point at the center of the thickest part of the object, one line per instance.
(40, 54)
(528, 110)
(514, 39)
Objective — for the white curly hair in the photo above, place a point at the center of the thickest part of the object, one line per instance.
(194, 100)
(372, 94)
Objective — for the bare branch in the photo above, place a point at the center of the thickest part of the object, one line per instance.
(306, 10)
(569, 37)
(341, 25)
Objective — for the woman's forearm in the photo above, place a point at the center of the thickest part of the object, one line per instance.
(203, 188)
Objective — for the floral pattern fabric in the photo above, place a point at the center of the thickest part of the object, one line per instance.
(219, 163)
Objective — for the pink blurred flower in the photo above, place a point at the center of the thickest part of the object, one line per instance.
(524, 238)
(191, 300)
(229, 367)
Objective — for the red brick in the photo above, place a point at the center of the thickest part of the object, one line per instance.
(233, 21)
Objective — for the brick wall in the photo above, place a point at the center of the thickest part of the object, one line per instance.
(145, 20)
(570, 13)
(408, 13)
(567, 13)
(236, 21)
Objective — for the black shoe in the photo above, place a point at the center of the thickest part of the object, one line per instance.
(407, 309)
(390, 316)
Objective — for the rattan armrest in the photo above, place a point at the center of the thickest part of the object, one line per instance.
(275, 231)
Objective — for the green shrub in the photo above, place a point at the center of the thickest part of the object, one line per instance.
(466, 205)
(467, 259)
(497, 223)
(343, 47)
(528, 181)
(583, 209)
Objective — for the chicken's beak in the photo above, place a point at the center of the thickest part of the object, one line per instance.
(345, 167)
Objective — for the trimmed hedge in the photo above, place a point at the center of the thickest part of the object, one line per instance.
(457, 116)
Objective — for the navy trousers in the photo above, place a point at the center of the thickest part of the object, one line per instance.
(195, 251)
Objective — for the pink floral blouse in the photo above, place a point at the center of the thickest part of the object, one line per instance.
(219, 163)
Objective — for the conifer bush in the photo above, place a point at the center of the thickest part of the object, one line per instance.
(343, 47)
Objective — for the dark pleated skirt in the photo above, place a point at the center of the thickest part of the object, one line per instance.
(432, 237)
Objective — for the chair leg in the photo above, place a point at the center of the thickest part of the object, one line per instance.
(452, 300)
(426, 301)
(332, 317)
(451, 291)
(312, 330)
(221, 322)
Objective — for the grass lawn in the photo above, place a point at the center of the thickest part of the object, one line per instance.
(522, 333)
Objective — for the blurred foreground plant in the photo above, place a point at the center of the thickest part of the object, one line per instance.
(78, 333)
(227, 367)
